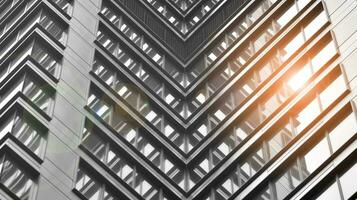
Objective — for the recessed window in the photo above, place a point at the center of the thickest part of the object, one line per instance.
(343, 131)
(348, 182)
(292, 46)
(283, 186)
(331, 192)
(279, 139)
(287, 15)
(87, 185)
(315, 157)
(15, 178)
(324, 55)
(332, 92)
(307, 115)
(315, 24)
(45, 57)
(57, 30)
(65, 5)
(302, 3)
(38, 91)
(100, 107)
(29, 132)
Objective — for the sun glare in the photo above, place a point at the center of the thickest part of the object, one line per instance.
(300, 78)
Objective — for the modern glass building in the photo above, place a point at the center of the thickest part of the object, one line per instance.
(178, 99)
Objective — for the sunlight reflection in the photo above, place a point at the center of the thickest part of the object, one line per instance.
(300, 78)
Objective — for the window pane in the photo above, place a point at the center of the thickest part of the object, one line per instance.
(94, 144)
(16, 180)
(38, 93)
(42, 55)
(348, 182)
(323, 56)
(287, 16)
(26, 132)
(332, 92)
(64, 5)
(109, 196)
(292, 46)
(302, 3)
(273, 102)
(330, 193)
(87, 186)
(279, 139)
(100, 107)
(315, 157)
(343, 131)
(102, 71)
(6, 126)
(307, 115)
(53, 27)
(315, 24)
(266, 194)
(283, 186)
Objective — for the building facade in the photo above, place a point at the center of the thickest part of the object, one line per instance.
(178, 99)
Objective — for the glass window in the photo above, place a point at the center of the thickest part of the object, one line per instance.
(257, 161)
(283, 186)
(265, 194)
(12, 91)
(293, 45)
(330, 193)
(29, 133)
(100, 107)
(348, 182)
(273, 102)
(38, 52)
(108, 195)
(315, 157)
(307, 115)
(93, 188)
(295, 176)
(227, 187)
(105, 73)
(14, 178)
(94, 144)
(279, 139)
(6, 126)
(45, 58)
(29, 24)
(263, 38)
(332, 92)
(343, 131)
(39, 93)
(302, 3)
(315, 24)
(306, 163)
(87, 186)
(65, 5)
(107, 42)
(53, 27)
(145, 189)
(323, 56)
(19, 57)
(287, 16)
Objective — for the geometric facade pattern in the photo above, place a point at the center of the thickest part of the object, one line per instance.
(178, 99)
